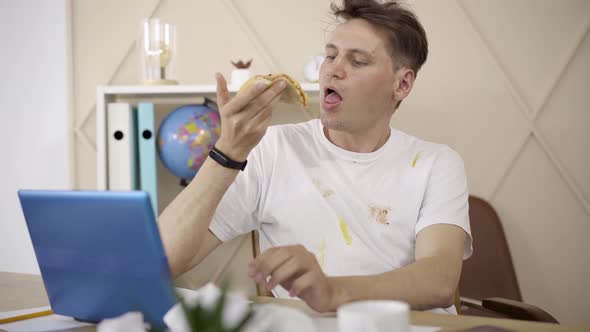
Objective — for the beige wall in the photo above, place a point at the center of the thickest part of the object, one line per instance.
(506, 85)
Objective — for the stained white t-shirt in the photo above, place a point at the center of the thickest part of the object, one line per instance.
(359, 213)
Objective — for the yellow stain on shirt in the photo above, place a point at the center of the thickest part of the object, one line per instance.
(326, 192)
(322, 253)
(345, 233)
(418, 155)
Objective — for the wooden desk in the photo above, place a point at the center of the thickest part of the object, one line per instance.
(21, 291)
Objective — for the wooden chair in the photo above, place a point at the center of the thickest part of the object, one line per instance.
(488, 284)
(260, 291)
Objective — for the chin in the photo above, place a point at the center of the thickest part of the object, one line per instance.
(330, 122)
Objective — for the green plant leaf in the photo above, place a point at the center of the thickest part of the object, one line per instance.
(203, 320)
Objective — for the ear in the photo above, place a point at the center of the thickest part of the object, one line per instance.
(404, 83)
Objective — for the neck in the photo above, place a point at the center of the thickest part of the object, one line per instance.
(362, 142)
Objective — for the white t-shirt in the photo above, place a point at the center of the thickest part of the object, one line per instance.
(358, 212)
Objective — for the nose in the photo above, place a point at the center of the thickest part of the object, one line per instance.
(334, 68)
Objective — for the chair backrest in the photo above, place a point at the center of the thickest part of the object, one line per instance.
(228, 262)
(489, 272)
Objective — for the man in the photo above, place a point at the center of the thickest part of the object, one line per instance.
(347, 207)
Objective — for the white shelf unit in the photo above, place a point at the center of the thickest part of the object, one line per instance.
(152, 93)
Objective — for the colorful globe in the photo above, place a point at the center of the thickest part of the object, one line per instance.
(185, 138)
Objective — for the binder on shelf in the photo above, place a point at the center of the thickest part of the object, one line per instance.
(121, 146)
(146, 138)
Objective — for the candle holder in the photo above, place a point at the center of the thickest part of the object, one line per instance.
(157, 52)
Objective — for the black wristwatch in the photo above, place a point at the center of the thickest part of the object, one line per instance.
(226, 161)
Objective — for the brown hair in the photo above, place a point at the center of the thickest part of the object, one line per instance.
(408, 45)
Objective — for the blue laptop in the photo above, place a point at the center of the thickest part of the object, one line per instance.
(99, 253)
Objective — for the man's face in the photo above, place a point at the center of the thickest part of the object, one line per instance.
(356, 79)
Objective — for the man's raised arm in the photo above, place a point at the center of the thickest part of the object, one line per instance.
(184, 224)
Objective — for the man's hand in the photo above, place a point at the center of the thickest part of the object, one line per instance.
(298, 271)
(245, 118)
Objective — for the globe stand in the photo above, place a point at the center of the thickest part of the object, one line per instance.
(210, 103)
(184, 182)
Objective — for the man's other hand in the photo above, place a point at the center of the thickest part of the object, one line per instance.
(297, 271)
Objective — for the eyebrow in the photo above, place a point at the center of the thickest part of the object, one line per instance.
(352, 50)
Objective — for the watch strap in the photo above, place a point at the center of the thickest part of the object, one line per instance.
(225, 161)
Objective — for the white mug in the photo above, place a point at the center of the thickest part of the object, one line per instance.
(374, 316)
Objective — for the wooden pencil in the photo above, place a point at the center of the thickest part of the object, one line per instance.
(26, 316)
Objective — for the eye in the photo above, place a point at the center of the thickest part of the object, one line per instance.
(357, 63)
(330, 57)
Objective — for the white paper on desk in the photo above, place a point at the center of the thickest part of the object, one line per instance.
(416, 328)
(40, 324)
(274, 317)
(330, 324)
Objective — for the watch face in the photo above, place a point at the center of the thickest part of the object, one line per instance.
(311, 70)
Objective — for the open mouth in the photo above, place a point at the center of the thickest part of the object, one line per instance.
(331, 96)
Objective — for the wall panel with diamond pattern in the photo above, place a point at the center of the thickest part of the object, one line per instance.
(506, 85)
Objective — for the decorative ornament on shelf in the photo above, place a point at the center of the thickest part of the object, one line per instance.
(311, 70)
(241, 73)
(157, 52)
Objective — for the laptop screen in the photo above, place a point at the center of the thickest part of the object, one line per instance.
(99, 253)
